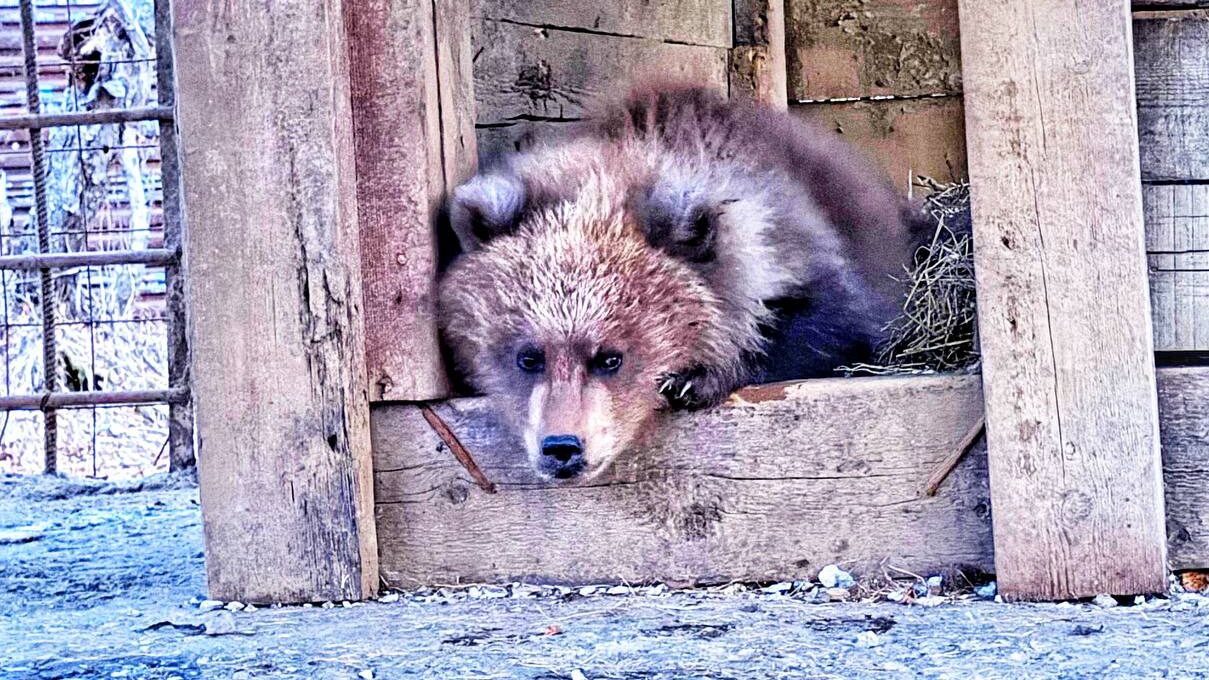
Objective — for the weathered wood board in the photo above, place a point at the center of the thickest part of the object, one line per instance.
(1177, 246)
(907, 137)
(525, 76)
(863, 48)
(1064, 311)
(413, 119)
(1171, 55)
(274, 293)
(1184, 411)
(692, 22)
(776, 484)
(522, 72)
(773, 485)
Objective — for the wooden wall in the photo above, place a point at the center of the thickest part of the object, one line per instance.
(536, 64)
(886, 74)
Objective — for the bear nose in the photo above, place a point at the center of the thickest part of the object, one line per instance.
(563, 448)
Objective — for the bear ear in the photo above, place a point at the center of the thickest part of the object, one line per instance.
(487, 206)
(679, 218)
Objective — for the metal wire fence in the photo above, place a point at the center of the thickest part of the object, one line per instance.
(92, 316)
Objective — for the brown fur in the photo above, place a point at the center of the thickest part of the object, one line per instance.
(685, 232)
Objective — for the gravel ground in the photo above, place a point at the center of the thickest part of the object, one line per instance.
(105, 581)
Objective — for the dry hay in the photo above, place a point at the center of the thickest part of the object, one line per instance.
(937, 329)
(117, 351)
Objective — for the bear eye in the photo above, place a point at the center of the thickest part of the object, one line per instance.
(606, 362)
(531, 360)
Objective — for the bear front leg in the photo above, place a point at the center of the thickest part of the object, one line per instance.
(697, 388)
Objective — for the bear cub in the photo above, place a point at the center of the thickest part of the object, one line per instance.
(671, 248)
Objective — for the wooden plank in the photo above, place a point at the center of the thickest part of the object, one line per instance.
(523, 73)
(864, 48)
(1177, 246)
(704, 501)
(413, 118)
(455, 78)
(274, 292)
(757, 61)
(1064, 314)
(1184, 405)
(693, 22)
(907, 138)
(1172, 63)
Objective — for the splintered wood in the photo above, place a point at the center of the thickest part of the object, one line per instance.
(1064, 313)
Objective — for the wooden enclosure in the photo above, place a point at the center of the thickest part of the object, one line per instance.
(314, 167)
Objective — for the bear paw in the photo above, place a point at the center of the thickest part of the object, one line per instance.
(694, 389)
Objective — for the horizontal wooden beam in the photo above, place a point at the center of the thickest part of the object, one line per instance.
(775, 484)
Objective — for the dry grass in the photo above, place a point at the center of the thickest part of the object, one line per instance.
(120, 347)
(937, 330)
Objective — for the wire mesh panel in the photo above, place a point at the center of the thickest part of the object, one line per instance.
(95, 366)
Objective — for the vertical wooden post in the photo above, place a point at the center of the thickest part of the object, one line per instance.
(274, 289)
(413, 112)
(757, 60)
(1064, 315)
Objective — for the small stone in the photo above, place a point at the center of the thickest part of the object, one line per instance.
(987, 591)
(525, 592)
(783, 587)
(389, 597)
(1139, 600)
(366, 675)
(346, 604)
(234, 606)
(578, 675)
(20, 535)
(210, 605)
(618, 590)
(868, 639)
(930, 601)
(250, 608)
(1104, 600)
(934, 584)
(896, 596)
(838, 594)
(221, 624)
(587, 590)
(831, 576)
(327, 605)
(307, 605)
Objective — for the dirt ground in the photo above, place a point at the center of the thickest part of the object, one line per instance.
(104, 581)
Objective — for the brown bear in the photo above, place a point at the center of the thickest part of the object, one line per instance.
(671, 248)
